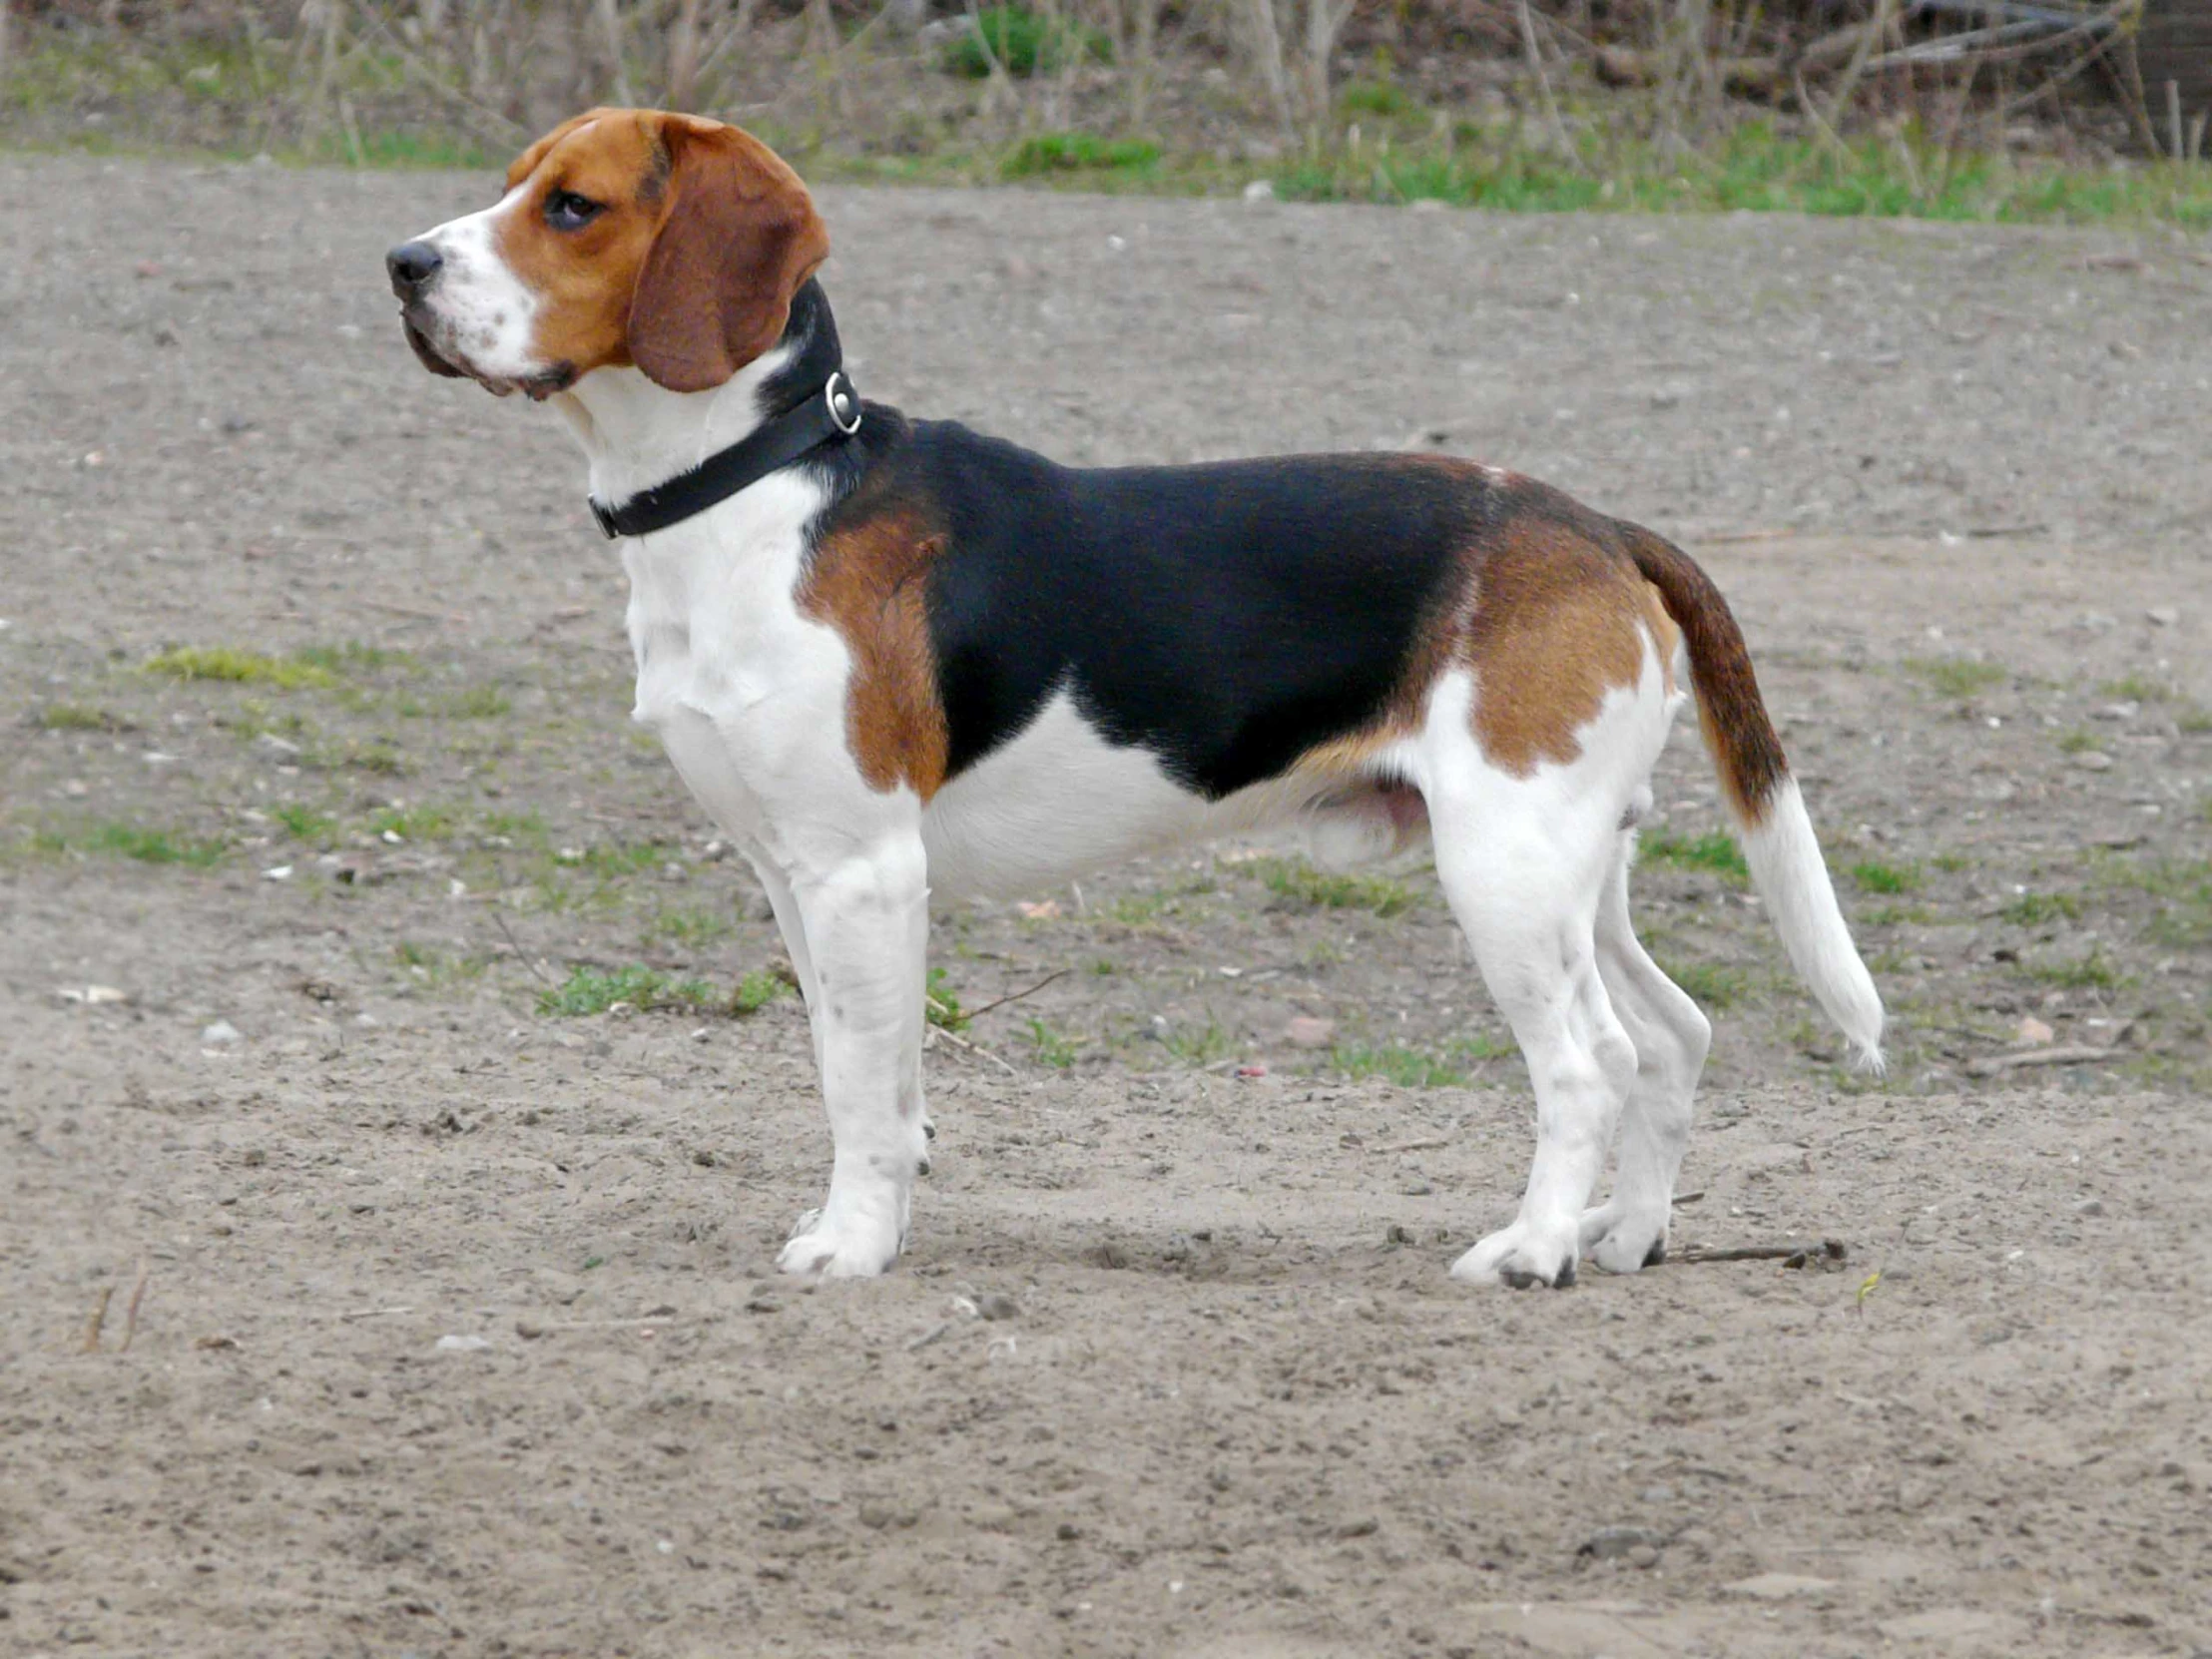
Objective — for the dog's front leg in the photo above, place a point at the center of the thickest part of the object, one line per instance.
(865, 914)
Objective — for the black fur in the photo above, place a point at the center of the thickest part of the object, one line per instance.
(1226, 617)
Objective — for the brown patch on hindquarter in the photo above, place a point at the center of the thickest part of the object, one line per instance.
(687, 270)
(1554, 628)
(868, 580)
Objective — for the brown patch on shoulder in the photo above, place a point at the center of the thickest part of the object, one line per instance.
(1553, 629)
(867, 581)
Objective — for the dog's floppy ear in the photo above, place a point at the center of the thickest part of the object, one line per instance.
(739, 237)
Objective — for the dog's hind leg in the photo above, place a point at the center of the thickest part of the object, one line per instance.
(1671, 1036)
(1524, 861)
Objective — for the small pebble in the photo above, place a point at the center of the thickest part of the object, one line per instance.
(462, 1344)
(220, 1035)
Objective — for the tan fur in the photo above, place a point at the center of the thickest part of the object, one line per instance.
(687, 271)
(867, 583)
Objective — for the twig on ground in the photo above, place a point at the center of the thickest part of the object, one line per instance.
(937, 1032)
(371, 1314)
(974, 1015)
(99, 1317)
(2069, 1055)
(131, 1308)
(1795, 1255)
(1425, 1145)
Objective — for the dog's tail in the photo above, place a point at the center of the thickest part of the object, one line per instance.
(1762, 797)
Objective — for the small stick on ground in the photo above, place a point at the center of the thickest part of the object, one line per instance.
(1832, 1250)
(974, 1015)
(2078, 1054)
(962, 1043)
(1430, 1144)
(99, 1317)
(373, 1313)
(131, 1308)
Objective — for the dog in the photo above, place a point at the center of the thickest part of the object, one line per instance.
(892, 657)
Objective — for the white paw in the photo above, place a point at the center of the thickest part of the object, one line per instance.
(842, 1245)
(1624, 1241)
(1521, 1255)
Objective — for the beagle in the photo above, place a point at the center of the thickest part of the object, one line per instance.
(894, 657)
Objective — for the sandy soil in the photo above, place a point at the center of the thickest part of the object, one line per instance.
(1174, 1368)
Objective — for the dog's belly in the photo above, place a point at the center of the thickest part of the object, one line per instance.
(1056, 801)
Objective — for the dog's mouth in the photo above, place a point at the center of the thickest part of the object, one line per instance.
(536, 386)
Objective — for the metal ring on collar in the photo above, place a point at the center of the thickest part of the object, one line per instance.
(839, 393)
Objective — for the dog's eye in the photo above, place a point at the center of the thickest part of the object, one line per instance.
(566, 211)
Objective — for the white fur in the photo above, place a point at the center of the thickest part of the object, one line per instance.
(1792, 876)
(478, 314)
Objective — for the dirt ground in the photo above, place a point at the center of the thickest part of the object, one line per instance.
(1173, 1367)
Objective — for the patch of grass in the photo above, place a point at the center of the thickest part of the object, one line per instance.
(1415, 1069)
(1710, 983)
(372, 754)
(942, 1003)
(1023, 44)
(2079, 740)
(612, 861)
(693, 925)
(2183, 890)
(437, 968)
(1753, 168)
(1049, 1048)
(2080, 973)
(518, 829)
(469, 702)
(1048, 153)
(756, 990)
(2193, 719)
(414, 824)
(1898, 915)
(243, 668)
(1886, 878)
(1951, 864)
(2035, 909)
(1199, 1046)
(304, 823)
(1103, 968)
(2136, 688)
(592, 991)
(1958, 677)
(132, 840)
(1714, 850)
(1378, 97)
(79, 717)
(1314, 890)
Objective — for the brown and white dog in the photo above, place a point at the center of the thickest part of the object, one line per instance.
(905, 658)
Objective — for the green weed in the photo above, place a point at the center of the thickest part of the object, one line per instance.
(1303, 885)
(2136, 688)
(1714, 850)
(693, 925)
(2035, 909)
(77, 717)
(1049, 1047)
(1957, 676)
(1048, 153)
(1710, 983)
(1416, 1068)
(2081, 973)
(942, 1004)
(1199, 1046)
(2079, 740)
(1886, 878)
(1022, 43)
(591, 992)
(130, 841)
(756, 990)
(246, 668)
(304, 823)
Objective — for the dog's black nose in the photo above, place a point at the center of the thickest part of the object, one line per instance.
(412, 264)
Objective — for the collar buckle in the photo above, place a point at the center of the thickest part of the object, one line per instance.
(605, 516)
(843, 401)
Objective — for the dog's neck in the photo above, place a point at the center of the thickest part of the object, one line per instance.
(636, 434)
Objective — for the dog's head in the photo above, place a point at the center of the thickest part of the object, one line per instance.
(625, 237)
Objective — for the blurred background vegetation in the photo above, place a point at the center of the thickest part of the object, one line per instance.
(2008, 108)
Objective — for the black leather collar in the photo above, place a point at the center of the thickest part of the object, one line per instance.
(831, 415)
